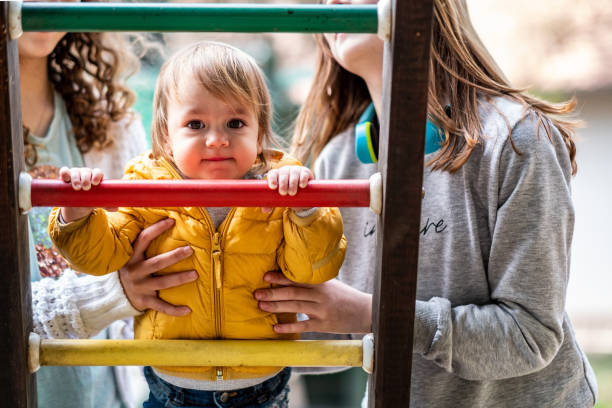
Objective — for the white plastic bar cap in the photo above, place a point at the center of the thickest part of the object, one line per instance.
(384, 20)
(376, 193)
(368, 353)
(14, 19)
(25, 192)
(34, 352)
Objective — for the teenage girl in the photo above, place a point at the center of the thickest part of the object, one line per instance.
(490, 328)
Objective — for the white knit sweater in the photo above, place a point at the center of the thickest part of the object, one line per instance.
(80, 307)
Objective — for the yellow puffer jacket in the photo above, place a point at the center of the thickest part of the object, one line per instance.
(230, 261)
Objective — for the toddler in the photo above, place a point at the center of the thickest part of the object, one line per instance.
(211, 120)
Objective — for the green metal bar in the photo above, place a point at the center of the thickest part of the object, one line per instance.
(164, 17)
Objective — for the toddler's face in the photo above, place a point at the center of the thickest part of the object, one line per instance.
(209, 138)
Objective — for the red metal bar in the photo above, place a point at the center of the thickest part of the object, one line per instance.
(199, 193)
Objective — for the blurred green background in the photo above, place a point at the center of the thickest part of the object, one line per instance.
(602, 364)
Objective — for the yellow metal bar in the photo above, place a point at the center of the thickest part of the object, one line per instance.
(315, 353)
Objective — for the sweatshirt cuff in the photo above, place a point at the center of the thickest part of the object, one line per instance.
(425, 326)
(106, 302)
(62, 226)
(304, 218)
(307, 212)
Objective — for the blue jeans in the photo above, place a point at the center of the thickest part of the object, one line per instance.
(272, 393)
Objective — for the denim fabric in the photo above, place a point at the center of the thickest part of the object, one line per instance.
(272, 393)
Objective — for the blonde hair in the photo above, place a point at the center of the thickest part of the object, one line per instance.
(460, 69)
(227, 73)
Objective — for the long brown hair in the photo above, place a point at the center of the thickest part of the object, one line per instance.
(86, 70)
(461, 71)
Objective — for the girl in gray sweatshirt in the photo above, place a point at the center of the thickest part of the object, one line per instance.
(496, 225)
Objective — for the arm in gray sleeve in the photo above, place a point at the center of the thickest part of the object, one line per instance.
(531, 218)
(78, 307)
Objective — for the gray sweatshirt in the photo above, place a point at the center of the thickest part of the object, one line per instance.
(494, 256)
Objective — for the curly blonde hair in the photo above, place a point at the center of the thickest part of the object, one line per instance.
(85, 69)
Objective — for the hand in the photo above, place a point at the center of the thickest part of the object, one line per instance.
(138, 275)
(287, 179)
(81, 178)
(332, 307)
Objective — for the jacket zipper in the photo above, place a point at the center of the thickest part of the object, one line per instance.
(216, 252)
(217, 271)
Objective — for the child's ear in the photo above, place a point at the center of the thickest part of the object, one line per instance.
(260, 145)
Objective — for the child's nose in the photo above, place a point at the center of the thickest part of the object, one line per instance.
(216, 138)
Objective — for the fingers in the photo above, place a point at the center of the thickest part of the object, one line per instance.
(294, 180)
(85, 175)
(171, 280)
(272, 178)
(75, 178)
(162, 261)
(299, 176)
(305, 176)
(279, 179)
(289, 179)
(277, 278)
(142, 289)
(96, 176)
(297, 327)
(156, 303)
(81, 178)
(283, 180)
(293, 306)
(146, 236)
(282, 293)
(64, 174)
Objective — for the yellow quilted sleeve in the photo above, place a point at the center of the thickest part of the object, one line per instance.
(313, 247)
(98, 244)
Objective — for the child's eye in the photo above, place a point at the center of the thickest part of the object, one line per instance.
(235, 124)
(195, 124)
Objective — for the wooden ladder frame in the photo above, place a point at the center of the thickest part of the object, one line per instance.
(406, 71)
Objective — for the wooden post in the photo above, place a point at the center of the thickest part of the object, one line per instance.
(405, 73)
(17, 385)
